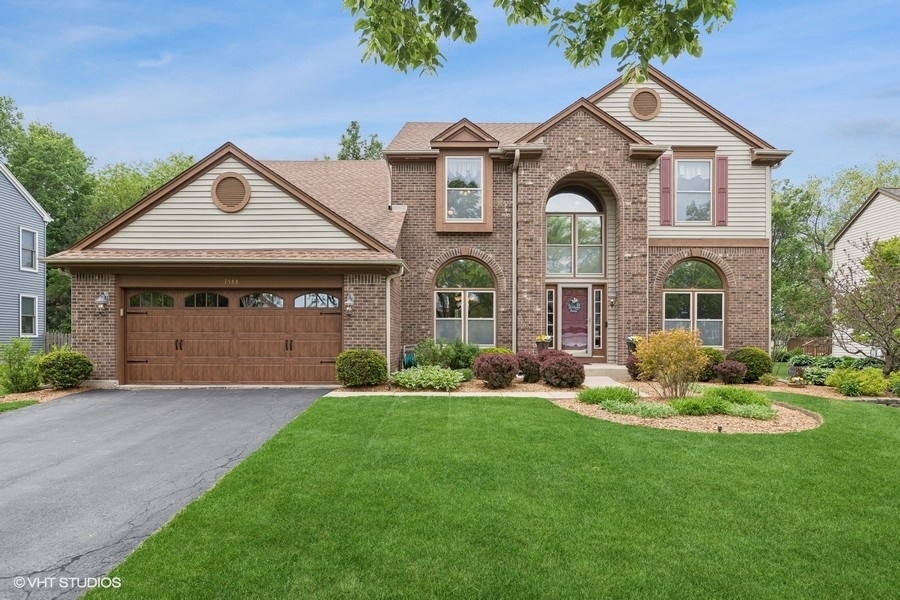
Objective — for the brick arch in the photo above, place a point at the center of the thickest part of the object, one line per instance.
(559, 182)
(468, 252)
(704, 255)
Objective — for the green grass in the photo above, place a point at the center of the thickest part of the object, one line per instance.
(780, 369)
(5, 406)
(411, 497)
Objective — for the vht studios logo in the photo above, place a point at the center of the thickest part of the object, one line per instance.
(66, 583)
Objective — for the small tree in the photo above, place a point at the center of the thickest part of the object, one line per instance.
(671, 360)
(866, 295)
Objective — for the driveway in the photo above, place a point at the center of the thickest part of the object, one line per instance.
(86, 478)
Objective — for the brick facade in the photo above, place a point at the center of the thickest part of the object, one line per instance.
(93, 332)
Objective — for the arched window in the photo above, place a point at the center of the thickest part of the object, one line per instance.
(151, 300)
(464, 303)
(694, 298)
(205, 300)
(574, 233)
(262, 300)
(317, 300)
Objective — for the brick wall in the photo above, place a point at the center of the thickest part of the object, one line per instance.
(93, 333)
(364, 326)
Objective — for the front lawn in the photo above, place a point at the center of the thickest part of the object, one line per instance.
(5, 406)
(461, 497)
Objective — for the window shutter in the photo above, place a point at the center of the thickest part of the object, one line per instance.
(665, 190)
(721, 190)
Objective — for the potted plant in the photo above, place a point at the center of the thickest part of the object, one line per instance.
(542, 341)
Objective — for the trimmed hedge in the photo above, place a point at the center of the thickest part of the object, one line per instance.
(496, 370)
(562, 371)
(529, 366)
(361, 367)
(758, 362)
(65, 368)
(731, 371)
(715, 357)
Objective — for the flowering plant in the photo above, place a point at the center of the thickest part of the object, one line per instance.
(542, 338)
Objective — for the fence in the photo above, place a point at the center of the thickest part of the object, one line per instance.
(54, 339)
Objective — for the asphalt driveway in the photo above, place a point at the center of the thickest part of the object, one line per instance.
(85, 478)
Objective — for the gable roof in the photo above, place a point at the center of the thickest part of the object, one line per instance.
(890, 193)
(762, 153)
(28, 197)
(418, 136)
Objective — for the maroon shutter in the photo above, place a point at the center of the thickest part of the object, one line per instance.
(721, 190)
(665, 190)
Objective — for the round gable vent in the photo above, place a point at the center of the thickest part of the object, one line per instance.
(644, 104)
(230, 192)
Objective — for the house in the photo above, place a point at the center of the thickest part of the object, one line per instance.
(638, 208)
(22, 275)
(878, 218)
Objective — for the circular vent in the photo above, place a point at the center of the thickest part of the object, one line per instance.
(230, 192)
(644, 104)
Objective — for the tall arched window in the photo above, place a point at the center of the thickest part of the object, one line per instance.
(694, 298)
(574, 233)
(465, 303)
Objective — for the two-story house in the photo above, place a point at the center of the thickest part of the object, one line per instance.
(637, 209)
(22, 275)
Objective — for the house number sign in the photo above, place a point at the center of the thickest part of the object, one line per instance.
(232, 281)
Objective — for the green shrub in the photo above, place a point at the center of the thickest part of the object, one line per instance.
(894, 383)
(19, 371)
(782, 355)
(562, 371)
(645, 410)
(455, 355)
(461, 355)
(361, 367)
(529, 367)
(607, 394)
(768, 379)
(827, 362)
(672, 359)
(752, 411)
(715, 357)
(699, 406)
(467, 374)
(801, 360)
(496, 370)
(758, 362)
(495, 350)
(427, 377)
(865, 362)
(850, 382)
(736, 395)
(731, 371)
(65, 368)
(816, 375)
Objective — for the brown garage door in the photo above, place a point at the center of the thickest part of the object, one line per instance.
(232, 336)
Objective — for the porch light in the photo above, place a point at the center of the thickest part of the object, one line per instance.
(613, 294)
(349, 301)
(102, 302)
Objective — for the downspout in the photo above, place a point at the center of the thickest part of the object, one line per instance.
(515, 250)
(387, 316)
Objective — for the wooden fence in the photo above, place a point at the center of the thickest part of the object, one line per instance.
(54, 339)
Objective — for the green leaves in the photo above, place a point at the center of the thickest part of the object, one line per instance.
(405, 35)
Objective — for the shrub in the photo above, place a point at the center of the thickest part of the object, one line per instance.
(361, 367)
(607, 394)
(715, 357)
(735, 395)
(827, 362)
(545, 355)
(645, 410)
(758, 362)
(495, 351)
(19, 371)
(65, 368)
(699, 406)
(768, 379)
(673, 359)
(865, 362)
(850, 382)
(816, 375)
(467, 374)
(562, 371)
(496, 370)
(894, 383)
(752, 411)
(801, 360)
(731, 371)
(782, 355)
(529, 366)
(428, 377)
(633, 366)
(455, 355)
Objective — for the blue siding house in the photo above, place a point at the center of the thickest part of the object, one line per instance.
(23, 227)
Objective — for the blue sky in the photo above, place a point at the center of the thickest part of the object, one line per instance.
(136, 81)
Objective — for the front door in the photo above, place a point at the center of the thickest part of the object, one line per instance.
(576, 319)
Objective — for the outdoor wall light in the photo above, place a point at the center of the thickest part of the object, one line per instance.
(349, 300)
(613, 294)
(102, 302)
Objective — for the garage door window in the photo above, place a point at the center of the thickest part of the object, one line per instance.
(151, 300)
(205, 300)
(317, 300)
(262, 300)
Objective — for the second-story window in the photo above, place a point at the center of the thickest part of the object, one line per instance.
(465, 189)
(693, 191)
(574, 234)
(29, 250)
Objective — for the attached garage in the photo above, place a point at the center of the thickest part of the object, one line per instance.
(241, 272)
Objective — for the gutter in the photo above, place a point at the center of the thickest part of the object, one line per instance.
(387, 316)
(515, 250)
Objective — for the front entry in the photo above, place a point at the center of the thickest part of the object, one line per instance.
(576, 319)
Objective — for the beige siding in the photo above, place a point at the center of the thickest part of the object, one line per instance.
(190, 220)
(679, 124)
(880, 221)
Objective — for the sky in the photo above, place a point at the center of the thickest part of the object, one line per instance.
(138, 81)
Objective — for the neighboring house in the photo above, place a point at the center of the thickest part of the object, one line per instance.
(637, 209)
(878, 218)
(22, 274)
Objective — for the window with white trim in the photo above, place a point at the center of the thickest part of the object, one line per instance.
(574, 234)
(28, 243)
(465, 303)
(693, 191)
(28, 316)
(465, 189)
(694, 298)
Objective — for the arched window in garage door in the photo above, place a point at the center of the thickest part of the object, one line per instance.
(317, 300)
(261, 300)
(205, 300)
(151, 300)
